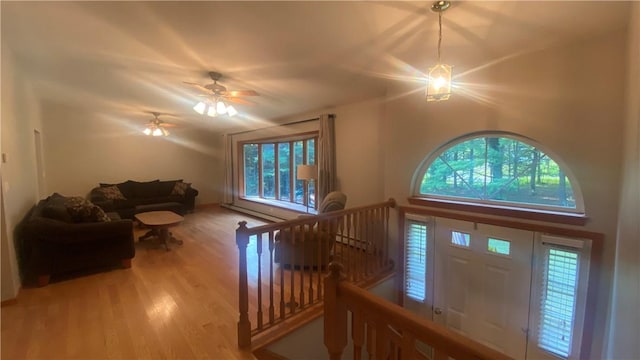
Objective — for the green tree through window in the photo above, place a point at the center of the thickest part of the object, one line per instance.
(270, 169)
(498, 169)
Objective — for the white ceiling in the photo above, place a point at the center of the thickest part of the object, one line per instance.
(124, 58)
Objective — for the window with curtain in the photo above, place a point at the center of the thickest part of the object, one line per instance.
(269, 171)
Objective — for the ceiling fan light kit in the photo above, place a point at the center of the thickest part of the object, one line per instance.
(218, 103)
(439, 76)
(155, 127)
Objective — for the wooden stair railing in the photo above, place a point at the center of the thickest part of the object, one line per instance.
(386, 330)
(270, 293)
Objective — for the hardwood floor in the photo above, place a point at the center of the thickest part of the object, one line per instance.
(168, 305)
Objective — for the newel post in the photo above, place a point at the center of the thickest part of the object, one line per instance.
(244, 325)
(335, 313)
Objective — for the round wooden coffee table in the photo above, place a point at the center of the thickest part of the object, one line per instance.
(159, 222)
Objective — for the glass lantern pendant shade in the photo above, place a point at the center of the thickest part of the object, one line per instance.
(439, 77)
(439, 83)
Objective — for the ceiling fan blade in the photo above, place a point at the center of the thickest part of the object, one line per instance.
(168, 125)
(238, 100)
(236, 93)
(197, 86)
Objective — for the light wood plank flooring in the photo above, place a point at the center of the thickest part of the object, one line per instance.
(169, 305)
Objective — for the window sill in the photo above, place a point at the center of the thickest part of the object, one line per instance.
(490, 209)
(281, 204)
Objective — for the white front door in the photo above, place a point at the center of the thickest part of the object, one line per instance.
(482, 280)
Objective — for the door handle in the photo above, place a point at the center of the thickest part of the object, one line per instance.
(437, 311)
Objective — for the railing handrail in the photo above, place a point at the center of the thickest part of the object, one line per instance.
(385, 313)
(313, 218)
(289, 260)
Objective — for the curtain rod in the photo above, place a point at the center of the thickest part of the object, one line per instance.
(272, 126)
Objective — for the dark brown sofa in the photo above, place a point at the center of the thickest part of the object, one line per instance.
(59, 236)
(124, 197)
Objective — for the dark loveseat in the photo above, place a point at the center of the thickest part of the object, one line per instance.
(62, 234)
(123, 198)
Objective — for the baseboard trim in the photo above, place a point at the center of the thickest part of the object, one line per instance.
(8, 302)
(206, 206)
(252, 213)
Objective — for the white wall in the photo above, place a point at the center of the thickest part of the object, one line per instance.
(20, 116)
(625, 319)
(83, 149)
(568, 98)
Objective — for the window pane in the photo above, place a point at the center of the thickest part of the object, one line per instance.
(298, 157)
(268, 171)
(557, 308)
(460, 238)
(251, 180)
(311, 151)
(498, 169)
(416, 260)
(498, 246)
(284, 172)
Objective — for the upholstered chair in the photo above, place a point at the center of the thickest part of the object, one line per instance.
(310, 245)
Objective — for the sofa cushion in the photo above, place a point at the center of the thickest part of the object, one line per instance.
(165, 188)
(82, 210)
(111, 192)
(128, 189)
(54, 208)
(147, 189)
(180, 188)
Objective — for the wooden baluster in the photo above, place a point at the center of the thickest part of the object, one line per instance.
(259, 251)
(357, 333)
(312, 270)
(408, 346)
(282, 284)
(382, 340)
(305, 242)
(292, 293)
(354, 270)
(244, 325)
(439, 354)
(385, 237)
(371, 340)
(271, 308)
(335, 313)
(367, 238)
(380, 229)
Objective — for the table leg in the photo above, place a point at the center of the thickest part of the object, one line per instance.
(164, 236)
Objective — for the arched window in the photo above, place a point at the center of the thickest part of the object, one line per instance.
(498, 168)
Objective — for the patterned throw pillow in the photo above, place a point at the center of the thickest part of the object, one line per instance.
(82, 210)
(180, 188)
(112, 193)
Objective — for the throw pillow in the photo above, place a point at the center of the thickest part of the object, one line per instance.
(82, 210)
(180, 188)
(112, 193)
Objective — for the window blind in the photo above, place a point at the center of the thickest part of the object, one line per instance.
(415, 259)
(558, 300)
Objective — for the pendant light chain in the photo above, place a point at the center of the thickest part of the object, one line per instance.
(439, 34)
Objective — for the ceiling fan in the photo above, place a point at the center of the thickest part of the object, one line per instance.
(157, 127)
(218, 97)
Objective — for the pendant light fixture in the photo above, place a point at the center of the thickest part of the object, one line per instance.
(439, 80)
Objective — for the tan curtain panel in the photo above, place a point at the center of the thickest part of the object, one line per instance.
(326, 156)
